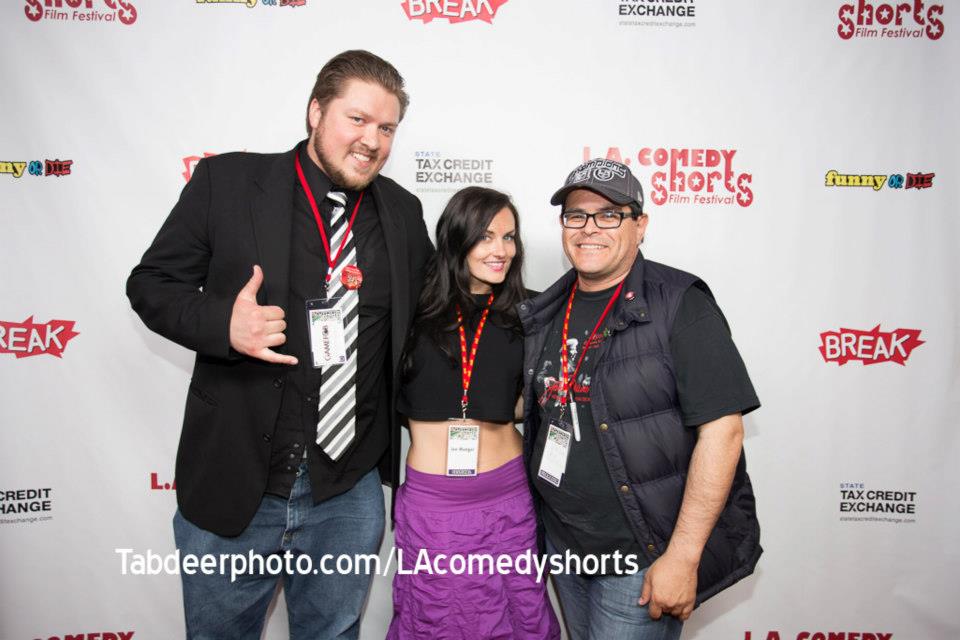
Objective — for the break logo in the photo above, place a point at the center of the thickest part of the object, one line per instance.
(869, 347)
(27, 338)
(452, 11)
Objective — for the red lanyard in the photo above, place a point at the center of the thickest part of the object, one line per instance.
(467, 364)
(331, 260)
(565, 382)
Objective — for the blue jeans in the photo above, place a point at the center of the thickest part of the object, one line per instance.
(606, 607)
(318, 606)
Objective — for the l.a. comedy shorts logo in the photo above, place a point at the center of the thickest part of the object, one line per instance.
(698, 176)
(896, 20)
(452, 10)
(27, 338)
(818, 635)
(869, 347)
(122, 11)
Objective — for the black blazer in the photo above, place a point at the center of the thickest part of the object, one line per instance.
(235, 212)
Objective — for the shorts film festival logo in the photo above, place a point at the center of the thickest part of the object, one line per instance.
(894, 20)
(452, 11)
(820, 635)
(27, 338)
(437, 171)
(876, 182)
(122, 11)
(15, 168)
(857, 503)
(690, 176)
(869, 347)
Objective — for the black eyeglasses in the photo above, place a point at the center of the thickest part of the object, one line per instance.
(604, 219)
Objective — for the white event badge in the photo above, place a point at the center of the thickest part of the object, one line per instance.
(554, 460)
(463, 437)
(463, 446)
(327, 333)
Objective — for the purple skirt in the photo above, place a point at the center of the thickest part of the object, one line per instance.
(490, 513)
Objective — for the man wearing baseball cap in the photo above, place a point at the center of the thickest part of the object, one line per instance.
(634, 392)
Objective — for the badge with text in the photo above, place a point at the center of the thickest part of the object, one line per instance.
(327, 333)
(554, 460)
(351, 277)
(463, 444)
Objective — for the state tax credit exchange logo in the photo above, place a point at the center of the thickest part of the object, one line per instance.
(122, 11)
(658, 13)
(895, 20)
(860, 503)
(869, 347)
(452, 10)
(28, 505)
(698, 176)
(442, 171)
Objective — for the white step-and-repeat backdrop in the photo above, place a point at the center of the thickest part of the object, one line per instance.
(799, 156)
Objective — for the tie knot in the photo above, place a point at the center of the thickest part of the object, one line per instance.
(339, 197)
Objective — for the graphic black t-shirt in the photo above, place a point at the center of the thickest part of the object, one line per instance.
(584, 514)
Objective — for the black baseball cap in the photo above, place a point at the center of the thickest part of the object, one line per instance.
(611, 179)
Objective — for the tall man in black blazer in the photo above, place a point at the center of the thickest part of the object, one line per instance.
(294, 277)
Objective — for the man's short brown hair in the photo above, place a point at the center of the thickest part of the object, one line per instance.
(356, 64)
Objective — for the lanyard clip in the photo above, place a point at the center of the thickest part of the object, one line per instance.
(463, 407)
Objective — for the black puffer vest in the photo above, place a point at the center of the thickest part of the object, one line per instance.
(643, 441)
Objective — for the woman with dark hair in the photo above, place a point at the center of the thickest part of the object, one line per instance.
(466, 497)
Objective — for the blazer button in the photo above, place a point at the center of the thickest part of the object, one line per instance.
(603, 426)
(277, 383)
(651, 548)
(624, 488)
(266, 437)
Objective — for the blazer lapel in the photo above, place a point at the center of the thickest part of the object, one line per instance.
(272, 213)
(395, 236)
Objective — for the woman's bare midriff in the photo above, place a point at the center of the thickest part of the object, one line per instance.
(499, 444)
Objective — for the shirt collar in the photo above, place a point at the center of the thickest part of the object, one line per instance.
(319, 182)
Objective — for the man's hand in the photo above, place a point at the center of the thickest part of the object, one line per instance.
(254, 329)
(670, 587)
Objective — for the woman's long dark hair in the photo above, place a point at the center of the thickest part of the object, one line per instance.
(461, 226)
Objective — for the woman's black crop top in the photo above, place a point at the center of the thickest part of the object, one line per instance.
(433, 385)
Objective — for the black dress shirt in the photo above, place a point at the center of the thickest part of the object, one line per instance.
(297, 422)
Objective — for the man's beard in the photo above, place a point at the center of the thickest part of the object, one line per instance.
(338, 177)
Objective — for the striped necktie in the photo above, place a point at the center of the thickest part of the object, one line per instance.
(337, 426)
